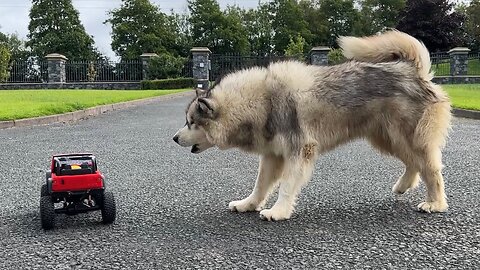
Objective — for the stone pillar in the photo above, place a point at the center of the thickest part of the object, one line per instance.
(458, 61)
(145, 59)
(56, 68)
(201, 66)
(319, 56)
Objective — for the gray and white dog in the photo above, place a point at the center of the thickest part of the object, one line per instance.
(289, 113)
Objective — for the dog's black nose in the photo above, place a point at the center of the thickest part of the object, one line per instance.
(175, 138)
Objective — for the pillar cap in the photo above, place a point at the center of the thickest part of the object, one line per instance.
(200, 50)
(148, 55)
(56, 56)
(320, 49)
(459, 50)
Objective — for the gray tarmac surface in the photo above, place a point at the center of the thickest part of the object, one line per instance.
(173, 205)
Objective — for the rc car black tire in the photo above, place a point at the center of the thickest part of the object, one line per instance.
(109, 211)
(47, 212)
(44, 190)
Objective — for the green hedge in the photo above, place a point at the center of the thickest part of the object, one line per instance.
(336, 56)
(165, 66)
(177, 83)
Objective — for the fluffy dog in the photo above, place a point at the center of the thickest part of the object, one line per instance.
(290, 112)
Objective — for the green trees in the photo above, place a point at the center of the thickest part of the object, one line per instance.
(434, 22)
(4, 62)
(316, 21)
(259, 29)
(472, 24)
(17, 47)
(139, 27)
(221, 32)
(55, 28)
(288, 22)
(376, 15)
(273, 27)
(341, 16)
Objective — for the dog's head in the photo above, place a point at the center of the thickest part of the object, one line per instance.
(200, 112)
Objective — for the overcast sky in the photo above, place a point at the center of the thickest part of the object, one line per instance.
(14, 16)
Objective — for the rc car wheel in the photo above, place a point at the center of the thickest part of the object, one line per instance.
(108, 208)
(44, 190)
(47, 212)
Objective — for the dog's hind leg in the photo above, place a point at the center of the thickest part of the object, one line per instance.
(410, 177)
(297, 172)
(432, 177)
(270, 170)
(430, 137)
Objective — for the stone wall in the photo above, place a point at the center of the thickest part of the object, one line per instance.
(456, 79)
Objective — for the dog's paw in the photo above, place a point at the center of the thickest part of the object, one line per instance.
(430, 207)
(275, 214)
(398, 189)
(402, 186)
(244, 205)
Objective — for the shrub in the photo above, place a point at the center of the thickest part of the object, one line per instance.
(165, 66)
(177, 83)
(295, 48)
(336, 56)
(4, 62)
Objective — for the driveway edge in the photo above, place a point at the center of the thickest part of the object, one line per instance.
(466, 113)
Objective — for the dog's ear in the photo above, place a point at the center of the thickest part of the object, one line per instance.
(201, 92)
(206, 107)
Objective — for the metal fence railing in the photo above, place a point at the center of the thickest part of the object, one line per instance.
(440, 63)
(32, 71)
(104, 71)
(187, 70)
(473, 64)
(28, 72)
(225, 63)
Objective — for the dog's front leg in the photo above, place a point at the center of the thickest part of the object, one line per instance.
(297, 172)
(269, 171)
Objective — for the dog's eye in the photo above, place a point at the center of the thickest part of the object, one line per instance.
(189, 124)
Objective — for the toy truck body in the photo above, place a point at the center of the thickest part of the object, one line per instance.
(75, 185)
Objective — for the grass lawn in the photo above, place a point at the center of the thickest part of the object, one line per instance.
(464, 96)
(18, 104)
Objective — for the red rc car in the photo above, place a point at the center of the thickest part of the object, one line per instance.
(75, 185)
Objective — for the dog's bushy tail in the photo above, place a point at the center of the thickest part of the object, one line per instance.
(389, 46)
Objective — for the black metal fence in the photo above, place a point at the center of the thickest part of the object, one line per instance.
(222, 64)
(473, 63)
(104, 71)
(440, 63)
(131, 71)
(187, 70)
(28, 72)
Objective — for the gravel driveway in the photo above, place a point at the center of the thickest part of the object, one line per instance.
(173, 214)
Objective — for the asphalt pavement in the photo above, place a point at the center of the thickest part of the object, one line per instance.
(172, 206)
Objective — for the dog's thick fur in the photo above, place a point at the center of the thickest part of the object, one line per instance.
(289, 113)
